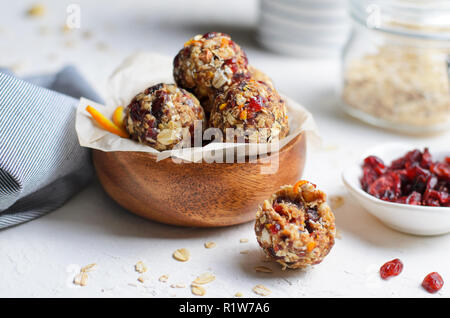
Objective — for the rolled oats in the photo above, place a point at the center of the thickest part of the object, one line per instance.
(198, 290)
(181, 255)
(261, 290)
(204, 278)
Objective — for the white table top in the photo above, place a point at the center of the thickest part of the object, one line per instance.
(40, 258)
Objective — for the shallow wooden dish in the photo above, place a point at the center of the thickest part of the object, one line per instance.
(195, 194)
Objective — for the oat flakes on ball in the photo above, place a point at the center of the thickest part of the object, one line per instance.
(161, 116)
(209, 63)
(254, 109)
(296, 227)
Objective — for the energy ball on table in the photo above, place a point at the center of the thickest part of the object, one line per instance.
(253, 107)
(295, 227)
(209, 63)
(161, 115)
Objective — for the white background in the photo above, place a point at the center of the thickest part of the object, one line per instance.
(38, 258)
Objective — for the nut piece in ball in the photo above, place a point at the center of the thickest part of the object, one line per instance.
(295, 227)
(162, 116)
(209, 63)
(254, 109)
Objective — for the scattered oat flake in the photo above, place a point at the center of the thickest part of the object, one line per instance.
(142, 279)
(140, 267)
(210, 244)
(88, 268)
(336, 201)
(204, 278)
(178, 285)
(261, 290)
(338, 234)
(244, 252)
(163, 278)
(243, 240)
(181, 255)
(81, 279)
(37, 10)
(263, 269)
(238, 294)
(198, 290)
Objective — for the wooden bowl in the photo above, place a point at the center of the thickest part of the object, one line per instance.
(195, 194)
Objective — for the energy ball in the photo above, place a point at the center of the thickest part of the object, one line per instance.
(209, 63)
(295, 227)
(254, 109)
(162, 115)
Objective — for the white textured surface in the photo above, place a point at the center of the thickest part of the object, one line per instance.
(39, 258)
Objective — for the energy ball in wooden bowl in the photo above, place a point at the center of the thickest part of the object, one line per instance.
(296, 227)
(162, 115)
(253, 108)
(209, 63)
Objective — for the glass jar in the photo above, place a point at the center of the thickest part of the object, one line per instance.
(395, 65)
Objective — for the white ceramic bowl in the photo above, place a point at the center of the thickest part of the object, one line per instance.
(418, 220)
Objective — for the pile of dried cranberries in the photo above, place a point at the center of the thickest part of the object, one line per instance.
(412, 179)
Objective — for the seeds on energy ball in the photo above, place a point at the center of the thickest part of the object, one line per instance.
(204, 278)
(261, 290)
(210, 245)
(198, 290)
(263, 269)
(181, 255)
(140, 267)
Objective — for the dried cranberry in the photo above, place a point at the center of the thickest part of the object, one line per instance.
(441, 169)
(427, 160)
(231, 63)
(415, 198)
(158, 102)
(256, 104)
(275, 228)
(391, 268)
(209, 35)
(412, 179)
(376, 164)
(433, 282)
(278, 208)
(386, 187)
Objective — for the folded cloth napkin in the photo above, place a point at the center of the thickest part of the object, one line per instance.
(41, 162)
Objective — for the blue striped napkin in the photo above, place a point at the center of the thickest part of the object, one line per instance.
(41, 162)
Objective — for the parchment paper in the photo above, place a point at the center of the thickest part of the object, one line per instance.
(143, 70)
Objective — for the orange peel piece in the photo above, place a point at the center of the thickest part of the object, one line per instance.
(243, 115)
(105, 123)
(298, 185)
(118, 117)
(310, 246)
